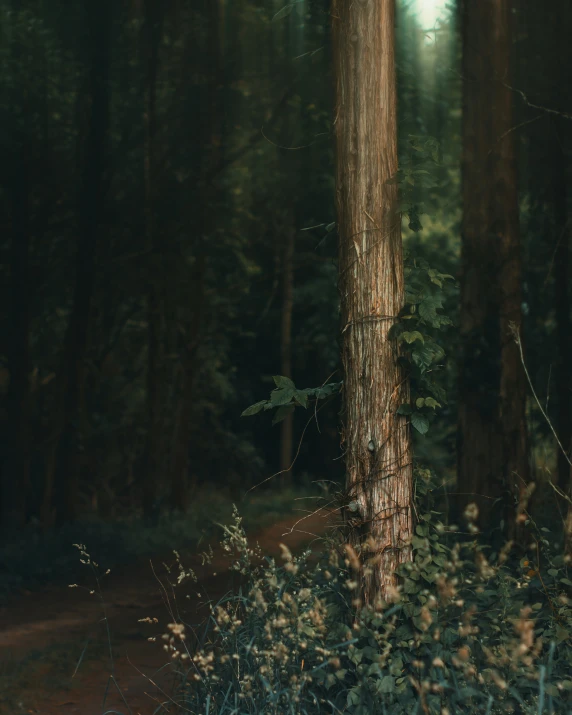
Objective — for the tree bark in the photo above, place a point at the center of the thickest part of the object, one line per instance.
(210, 152)
(64, 465)
(377, 439)
(16, 465)
(152, 29)
(181, 484)
(492, 438)
(506, 225)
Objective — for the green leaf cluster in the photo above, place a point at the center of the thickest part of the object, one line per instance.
(420, 323)
(469, 631)
(286, 397)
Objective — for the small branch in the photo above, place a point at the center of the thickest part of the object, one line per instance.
(548, 110)
(513, 129)
(518, 341)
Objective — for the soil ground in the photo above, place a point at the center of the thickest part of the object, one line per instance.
(54, 650)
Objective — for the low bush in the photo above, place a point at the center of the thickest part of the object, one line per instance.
(467, 631)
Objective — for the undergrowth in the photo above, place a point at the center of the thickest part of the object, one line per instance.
(467, 631)
(37, 557)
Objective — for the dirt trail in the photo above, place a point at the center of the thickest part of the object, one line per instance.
(44, 635)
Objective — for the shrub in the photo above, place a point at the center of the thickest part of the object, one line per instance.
(464, 633)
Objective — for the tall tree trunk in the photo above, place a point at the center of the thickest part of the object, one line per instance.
(16, 466)
(152, 29)
(182, 485)
(377, 440)
(210, 152)
(505, 223)
(287, 428)
(64, 466)
(562, 313)
(492, 446)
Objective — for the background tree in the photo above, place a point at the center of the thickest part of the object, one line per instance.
(68, 441)
(492, 446)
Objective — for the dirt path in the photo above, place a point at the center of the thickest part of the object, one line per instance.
(44, 635)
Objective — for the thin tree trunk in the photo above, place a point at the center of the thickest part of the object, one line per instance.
(492, 446)
(210, 139)
(16, 467)
(377, 440)
(286, 436)
(64, 465)
(562, 313)
(505, 223)
(155, 297)
(182, 485)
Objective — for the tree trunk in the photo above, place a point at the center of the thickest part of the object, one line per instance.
(181, 483)
(377, 440)
(16, 466)
(64, 465)
(492, 446)
(286, 436)
(562, 313)
(152, 29)
(506, 225)
(210, 141)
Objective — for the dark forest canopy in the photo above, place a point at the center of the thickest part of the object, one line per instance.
(170, 243)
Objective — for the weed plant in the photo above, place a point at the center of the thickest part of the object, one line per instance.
(467, 630)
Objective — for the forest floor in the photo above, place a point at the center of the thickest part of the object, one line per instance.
(54, 650)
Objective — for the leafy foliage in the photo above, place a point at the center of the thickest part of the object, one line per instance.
(465, 632)
(286, 397)
(420, 322)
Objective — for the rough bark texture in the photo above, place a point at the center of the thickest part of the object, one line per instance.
(492, 446)
(376, 439)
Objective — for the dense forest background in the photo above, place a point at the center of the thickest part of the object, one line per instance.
(169, 243)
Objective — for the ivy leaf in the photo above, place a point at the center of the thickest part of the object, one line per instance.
(420, 422)
(431, 402)
(301, 398)
(327, 390)
(282, 413)
(281, 396)
(254, 409)
(422, 356)
(387, 684)
(411, 337)
(281, 381)
(428, 308)
(419, 402)
(404, 409)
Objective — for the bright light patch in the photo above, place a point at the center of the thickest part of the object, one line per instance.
(429, 12)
